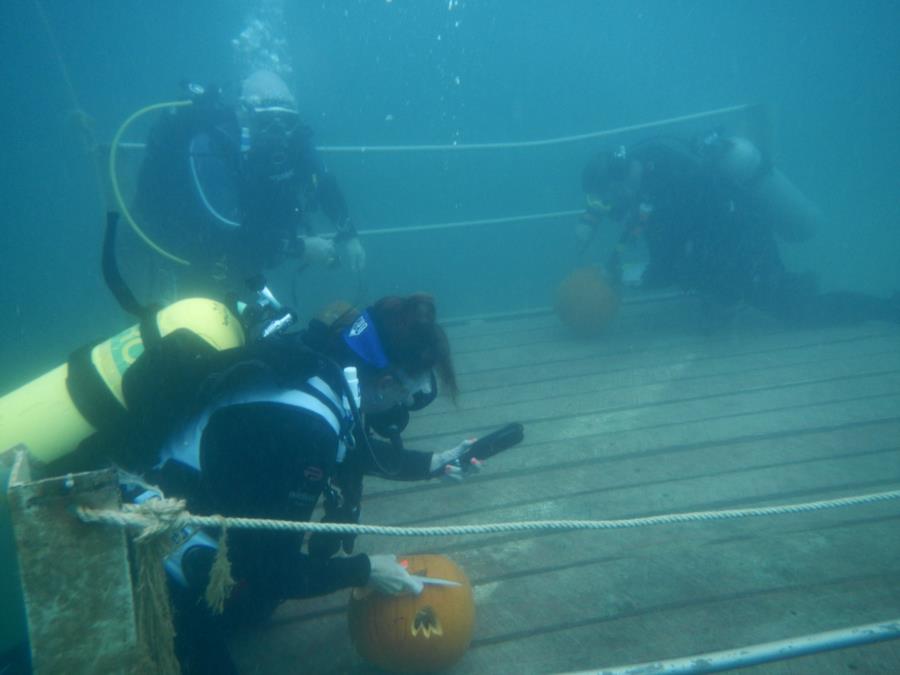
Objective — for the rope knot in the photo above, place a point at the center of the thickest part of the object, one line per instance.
(158, 516)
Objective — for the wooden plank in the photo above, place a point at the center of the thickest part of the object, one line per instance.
(523, 365)
(641, 424)
(635, 318)
(726, 375)
(670, 601)
(804, 467)
(727, 620)
(609, 490)
(656, 407)
(875, 418)
(684, 575)
(641, 457)
(505, 322)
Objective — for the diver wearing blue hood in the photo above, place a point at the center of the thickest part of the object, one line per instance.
(230, 188)
(274, 430)
(711, 214)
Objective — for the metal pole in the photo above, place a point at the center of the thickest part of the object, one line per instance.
(767, 652)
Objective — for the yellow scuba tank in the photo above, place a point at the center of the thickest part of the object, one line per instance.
(54, 413)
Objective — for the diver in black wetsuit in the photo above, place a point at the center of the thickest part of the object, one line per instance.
(270, 435)
(711, 214)
(230, 189)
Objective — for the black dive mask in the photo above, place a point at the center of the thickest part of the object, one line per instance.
(391, 422)
(424, 395)
(269, 140)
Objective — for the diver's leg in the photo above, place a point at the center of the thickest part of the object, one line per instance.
(201, 637)
(796, 300)
(201, 643)
(845, 307)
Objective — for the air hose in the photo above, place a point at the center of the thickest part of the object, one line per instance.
(114, 178)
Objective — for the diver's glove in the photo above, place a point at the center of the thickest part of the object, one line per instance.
(318, 251)
(446, 463)
(388, 576)
(355, 255)
(584, 233)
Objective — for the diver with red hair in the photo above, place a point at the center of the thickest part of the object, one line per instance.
(274, 428)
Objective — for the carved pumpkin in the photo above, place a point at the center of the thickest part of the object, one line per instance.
(415, 634)
(585, 302)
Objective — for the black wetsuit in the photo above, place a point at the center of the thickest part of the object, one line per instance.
(269, 460)
(203, 195)
(706, 235)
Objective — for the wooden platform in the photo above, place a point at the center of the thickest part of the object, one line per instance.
(654, 418)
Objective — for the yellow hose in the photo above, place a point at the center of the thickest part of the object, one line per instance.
(114, 178)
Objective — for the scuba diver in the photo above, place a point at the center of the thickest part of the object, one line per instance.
(231, 188)
(232, 413)
(710, 214)
(272, 429)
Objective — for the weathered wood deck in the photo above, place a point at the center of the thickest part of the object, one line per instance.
(653, 418)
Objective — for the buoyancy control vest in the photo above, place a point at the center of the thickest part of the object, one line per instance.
(313, 396)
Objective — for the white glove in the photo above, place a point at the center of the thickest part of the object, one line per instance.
(390, 577)
(318, 251)
(355, 255)
(445, 462)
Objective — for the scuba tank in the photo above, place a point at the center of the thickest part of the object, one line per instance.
(90, 392)
(52, 414)
(94, 390)
(792, 216)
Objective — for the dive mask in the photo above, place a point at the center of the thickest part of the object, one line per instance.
(268, 137)
(422, 390)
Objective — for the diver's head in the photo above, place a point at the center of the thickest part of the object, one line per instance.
(270, 119)
(398, 347)
(611, 182)
(264, 89)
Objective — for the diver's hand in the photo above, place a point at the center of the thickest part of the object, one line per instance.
(388, 576)
(318, 251)
(584, 232)
(355, 255)
(447, 465)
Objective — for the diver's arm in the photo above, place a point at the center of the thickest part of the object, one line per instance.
(331, 199)
(273, 564)
(394, 463)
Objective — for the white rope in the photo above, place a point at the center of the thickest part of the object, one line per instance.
(147, 520)
(470, 223)
(454, 147)
(495, 146)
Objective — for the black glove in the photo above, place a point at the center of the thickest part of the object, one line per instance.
(338, 509)
(327, 544)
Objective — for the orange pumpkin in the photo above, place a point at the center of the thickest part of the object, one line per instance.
(415, 634)
(585, 302)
